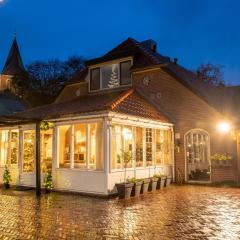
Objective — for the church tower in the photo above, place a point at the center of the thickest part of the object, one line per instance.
(13, 68)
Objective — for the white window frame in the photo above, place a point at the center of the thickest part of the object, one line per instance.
(100, 66)
(71, 124)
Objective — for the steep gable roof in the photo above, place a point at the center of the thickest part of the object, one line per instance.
(14, 64)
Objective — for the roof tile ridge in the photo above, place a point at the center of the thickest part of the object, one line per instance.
(120, 99)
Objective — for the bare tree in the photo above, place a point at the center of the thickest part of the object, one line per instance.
(47, 78)
(211, 74)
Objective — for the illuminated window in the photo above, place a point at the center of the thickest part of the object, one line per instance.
(95, 138)
(28, 150)
(46, 150)
(139, 147)
(116, 141)
(80, 146)
(159, 147)
(14, 135)
(86, 142)
(64, 146)
(110, 76)
(167, 147)
(4, 146)
(149, 147)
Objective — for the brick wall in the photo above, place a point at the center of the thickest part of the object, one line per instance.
(186, 110)
(223, 173)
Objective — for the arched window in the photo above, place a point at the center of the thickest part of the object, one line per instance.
(197, 149)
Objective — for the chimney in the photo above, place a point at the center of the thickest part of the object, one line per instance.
(175, 60)
(151, 44)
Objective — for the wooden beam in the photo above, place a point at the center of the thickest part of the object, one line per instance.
(38, 160)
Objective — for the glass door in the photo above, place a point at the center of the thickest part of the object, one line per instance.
(197, 148)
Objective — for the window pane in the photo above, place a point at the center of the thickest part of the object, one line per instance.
(116, 150)
(95, 138)
(110, 78)
(167, 147)
(159, 147)
(64, 146)
(28, 150)
(4, 146)
(14, 146)
(139, 147)
(127, 146)
(125, 72)
(46, 150)
(149, 141)
(95, 79)
(80, 146)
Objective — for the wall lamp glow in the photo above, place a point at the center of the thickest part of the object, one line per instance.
(224, 127)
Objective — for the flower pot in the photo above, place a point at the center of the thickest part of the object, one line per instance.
(153, 184)
(136, 188)
(168, 181)
(6, 185)
(124, 190)
(145, 185)
(161, 182)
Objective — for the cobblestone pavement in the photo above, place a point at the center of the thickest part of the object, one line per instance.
(179, 212)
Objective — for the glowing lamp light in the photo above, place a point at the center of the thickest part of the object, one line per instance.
(127, 134)
(224, 127)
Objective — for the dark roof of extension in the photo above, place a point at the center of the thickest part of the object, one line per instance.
(14, 64)
(10, 104)
(126, 102)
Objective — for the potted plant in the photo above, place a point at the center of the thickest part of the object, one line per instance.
(136, 187)
(168, 181)
(145, 185)
(221, 159)
(48, 184)
(125, 188)
(164, 179)
(160, 182)
(6, 177)
(153, 183)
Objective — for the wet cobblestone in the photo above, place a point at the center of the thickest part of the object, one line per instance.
(186, 212)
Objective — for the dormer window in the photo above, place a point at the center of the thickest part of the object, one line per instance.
(110, 76)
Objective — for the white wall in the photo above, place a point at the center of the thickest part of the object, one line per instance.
(93, 182)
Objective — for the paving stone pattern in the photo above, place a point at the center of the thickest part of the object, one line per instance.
(179, 212)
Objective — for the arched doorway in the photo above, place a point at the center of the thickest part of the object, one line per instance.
(197, 152)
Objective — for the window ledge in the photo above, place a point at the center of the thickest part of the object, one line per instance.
(79, 170)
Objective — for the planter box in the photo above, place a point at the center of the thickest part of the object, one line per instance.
(124, 190)
(145, 185)
(161, 183)
(153, 184)
(168, 181)
(136, 189)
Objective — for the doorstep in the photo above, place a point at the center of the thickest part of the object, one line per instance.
(199, 182)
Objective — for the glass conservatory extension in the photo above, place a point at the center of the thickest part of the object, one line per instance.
(88, 155)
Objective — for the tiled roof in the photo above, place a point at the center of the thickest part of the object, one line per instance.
(126, 102)
(131, 47)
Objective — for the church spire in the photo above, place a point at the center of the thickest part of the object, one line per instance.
(14, 65)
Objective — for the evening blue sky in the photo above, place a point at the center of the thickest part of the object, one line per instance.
(194, 31)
